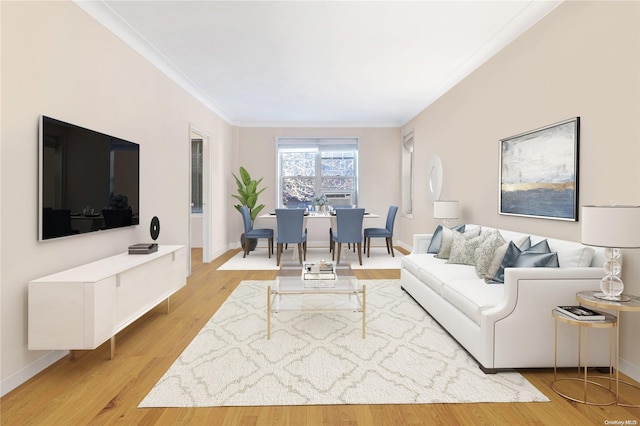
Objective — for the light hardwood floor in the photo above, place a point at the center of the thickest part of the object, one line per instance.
(91, 389)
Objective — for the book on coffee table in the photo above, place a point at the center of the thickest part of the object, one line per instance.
(581, 313)
(322, 271)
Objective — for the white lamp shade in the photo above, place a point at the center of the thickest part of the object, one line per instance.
(445, 209)
(611, 226)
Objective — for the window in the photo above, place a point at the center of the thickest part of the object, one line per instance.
(407, 175)
(196, 175)
(309, 167)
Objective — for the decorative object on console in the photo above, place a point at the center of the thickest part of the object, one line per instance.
(154, 228)
(613, 227)
(539, 172)
(446, 210)
(146, 248)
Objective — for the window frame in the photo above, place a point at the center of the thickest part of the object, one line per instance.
(318, 145)
(408, 169)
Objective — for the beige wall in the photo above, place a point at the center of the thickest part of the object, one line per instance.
(379, 162)
(581, 60)
(58, 61)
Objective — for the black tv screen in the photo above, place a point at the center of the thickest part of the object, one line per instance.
(89, 181)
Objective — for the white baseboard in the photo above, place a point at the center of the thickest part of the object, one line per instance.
(31, 370)
(630, 370)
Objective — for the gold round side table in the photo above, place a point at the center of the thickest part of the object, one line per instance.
(589, 298)
(610, 322)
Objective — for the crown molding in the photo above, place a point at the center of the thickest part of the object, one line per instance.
(111, 20)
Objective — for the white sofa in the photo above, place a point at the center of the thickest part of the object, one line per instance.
(509, 326)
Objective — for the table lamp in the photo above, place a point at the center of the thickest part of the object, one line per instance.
(444, 209)
(612, 227)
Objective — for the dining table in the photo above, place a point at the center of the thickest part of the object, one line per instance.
(314, 217)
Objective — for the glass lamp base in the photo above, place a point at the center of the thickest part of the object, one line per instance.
(620, 298)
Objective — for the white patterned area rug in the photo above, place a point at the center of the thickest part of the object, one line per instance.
(259, 259)
(321, 358)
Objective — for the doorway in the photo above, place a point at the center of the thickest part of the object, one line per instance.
(200, 190)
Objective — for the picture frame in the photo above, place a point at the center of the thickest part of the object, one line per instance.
(539, 172)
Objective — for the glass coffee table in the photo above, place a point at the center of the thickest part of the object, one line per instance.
(290, 292)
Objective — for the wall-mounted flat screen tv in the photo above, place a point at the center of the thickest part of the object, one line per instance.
(89, 181)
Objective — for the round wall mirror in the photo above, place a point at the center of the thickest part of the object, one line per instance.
(434, 177)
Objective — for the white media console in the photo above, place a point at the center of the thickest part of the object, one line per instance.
(83, 307)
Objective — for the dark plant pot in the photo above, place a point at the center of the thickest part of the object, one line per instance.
(253, 243)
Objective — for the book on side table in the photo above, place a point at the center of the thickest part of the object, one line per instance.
(581, 313)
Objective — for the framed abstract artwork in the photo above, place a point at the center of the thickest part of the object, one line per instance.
(539, 172)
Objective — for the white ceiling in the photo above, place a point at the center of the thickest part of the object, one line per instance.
(318, 63)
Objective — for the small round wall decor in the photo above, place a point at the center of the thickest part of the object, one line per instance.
(154, 229)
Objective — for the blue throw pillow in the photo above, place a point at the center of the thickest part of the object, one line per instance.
(538, 255)
(436, 240)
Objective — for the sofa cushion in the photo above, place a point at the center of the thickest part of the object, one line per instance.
(438, 276)
(472, 296)
(572, 255)
(436, 239)
(414, 262)
(447, 240)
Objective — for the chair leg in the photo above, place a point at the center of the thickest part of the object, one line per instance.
(300, 252)
(390, 246)
(246, 248)
(270, 247)
(304, 249)
(338, 250)
(278, 254)
(359, 252)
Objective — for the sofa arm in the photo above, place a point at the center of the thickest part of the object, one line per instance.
(548, 286)
(421, 243)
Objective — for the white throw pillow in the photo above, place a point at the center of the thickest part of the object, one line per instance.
(499, 253)
(447, 240)
(485, 252)
(463, 250)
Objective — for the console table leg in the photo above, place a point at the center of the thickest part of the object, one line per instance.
(113, 347)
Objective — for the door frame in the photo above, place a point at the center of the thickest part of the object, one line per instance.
(206, 193)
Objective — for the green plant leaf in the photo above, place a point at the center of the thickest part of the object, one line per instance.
(256, 211)
(246, 178)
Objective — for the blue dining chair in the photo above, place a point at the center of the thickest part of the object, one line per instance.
(349, 230)
(386, 232)
(253, 234)
(291, 230)
(336, 207)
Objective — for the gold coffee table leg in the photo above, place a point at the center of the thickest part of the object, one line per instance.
(269, 312)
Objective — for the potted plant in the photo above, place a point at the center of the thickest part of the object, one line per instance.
(247, 195)
(320, 201)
